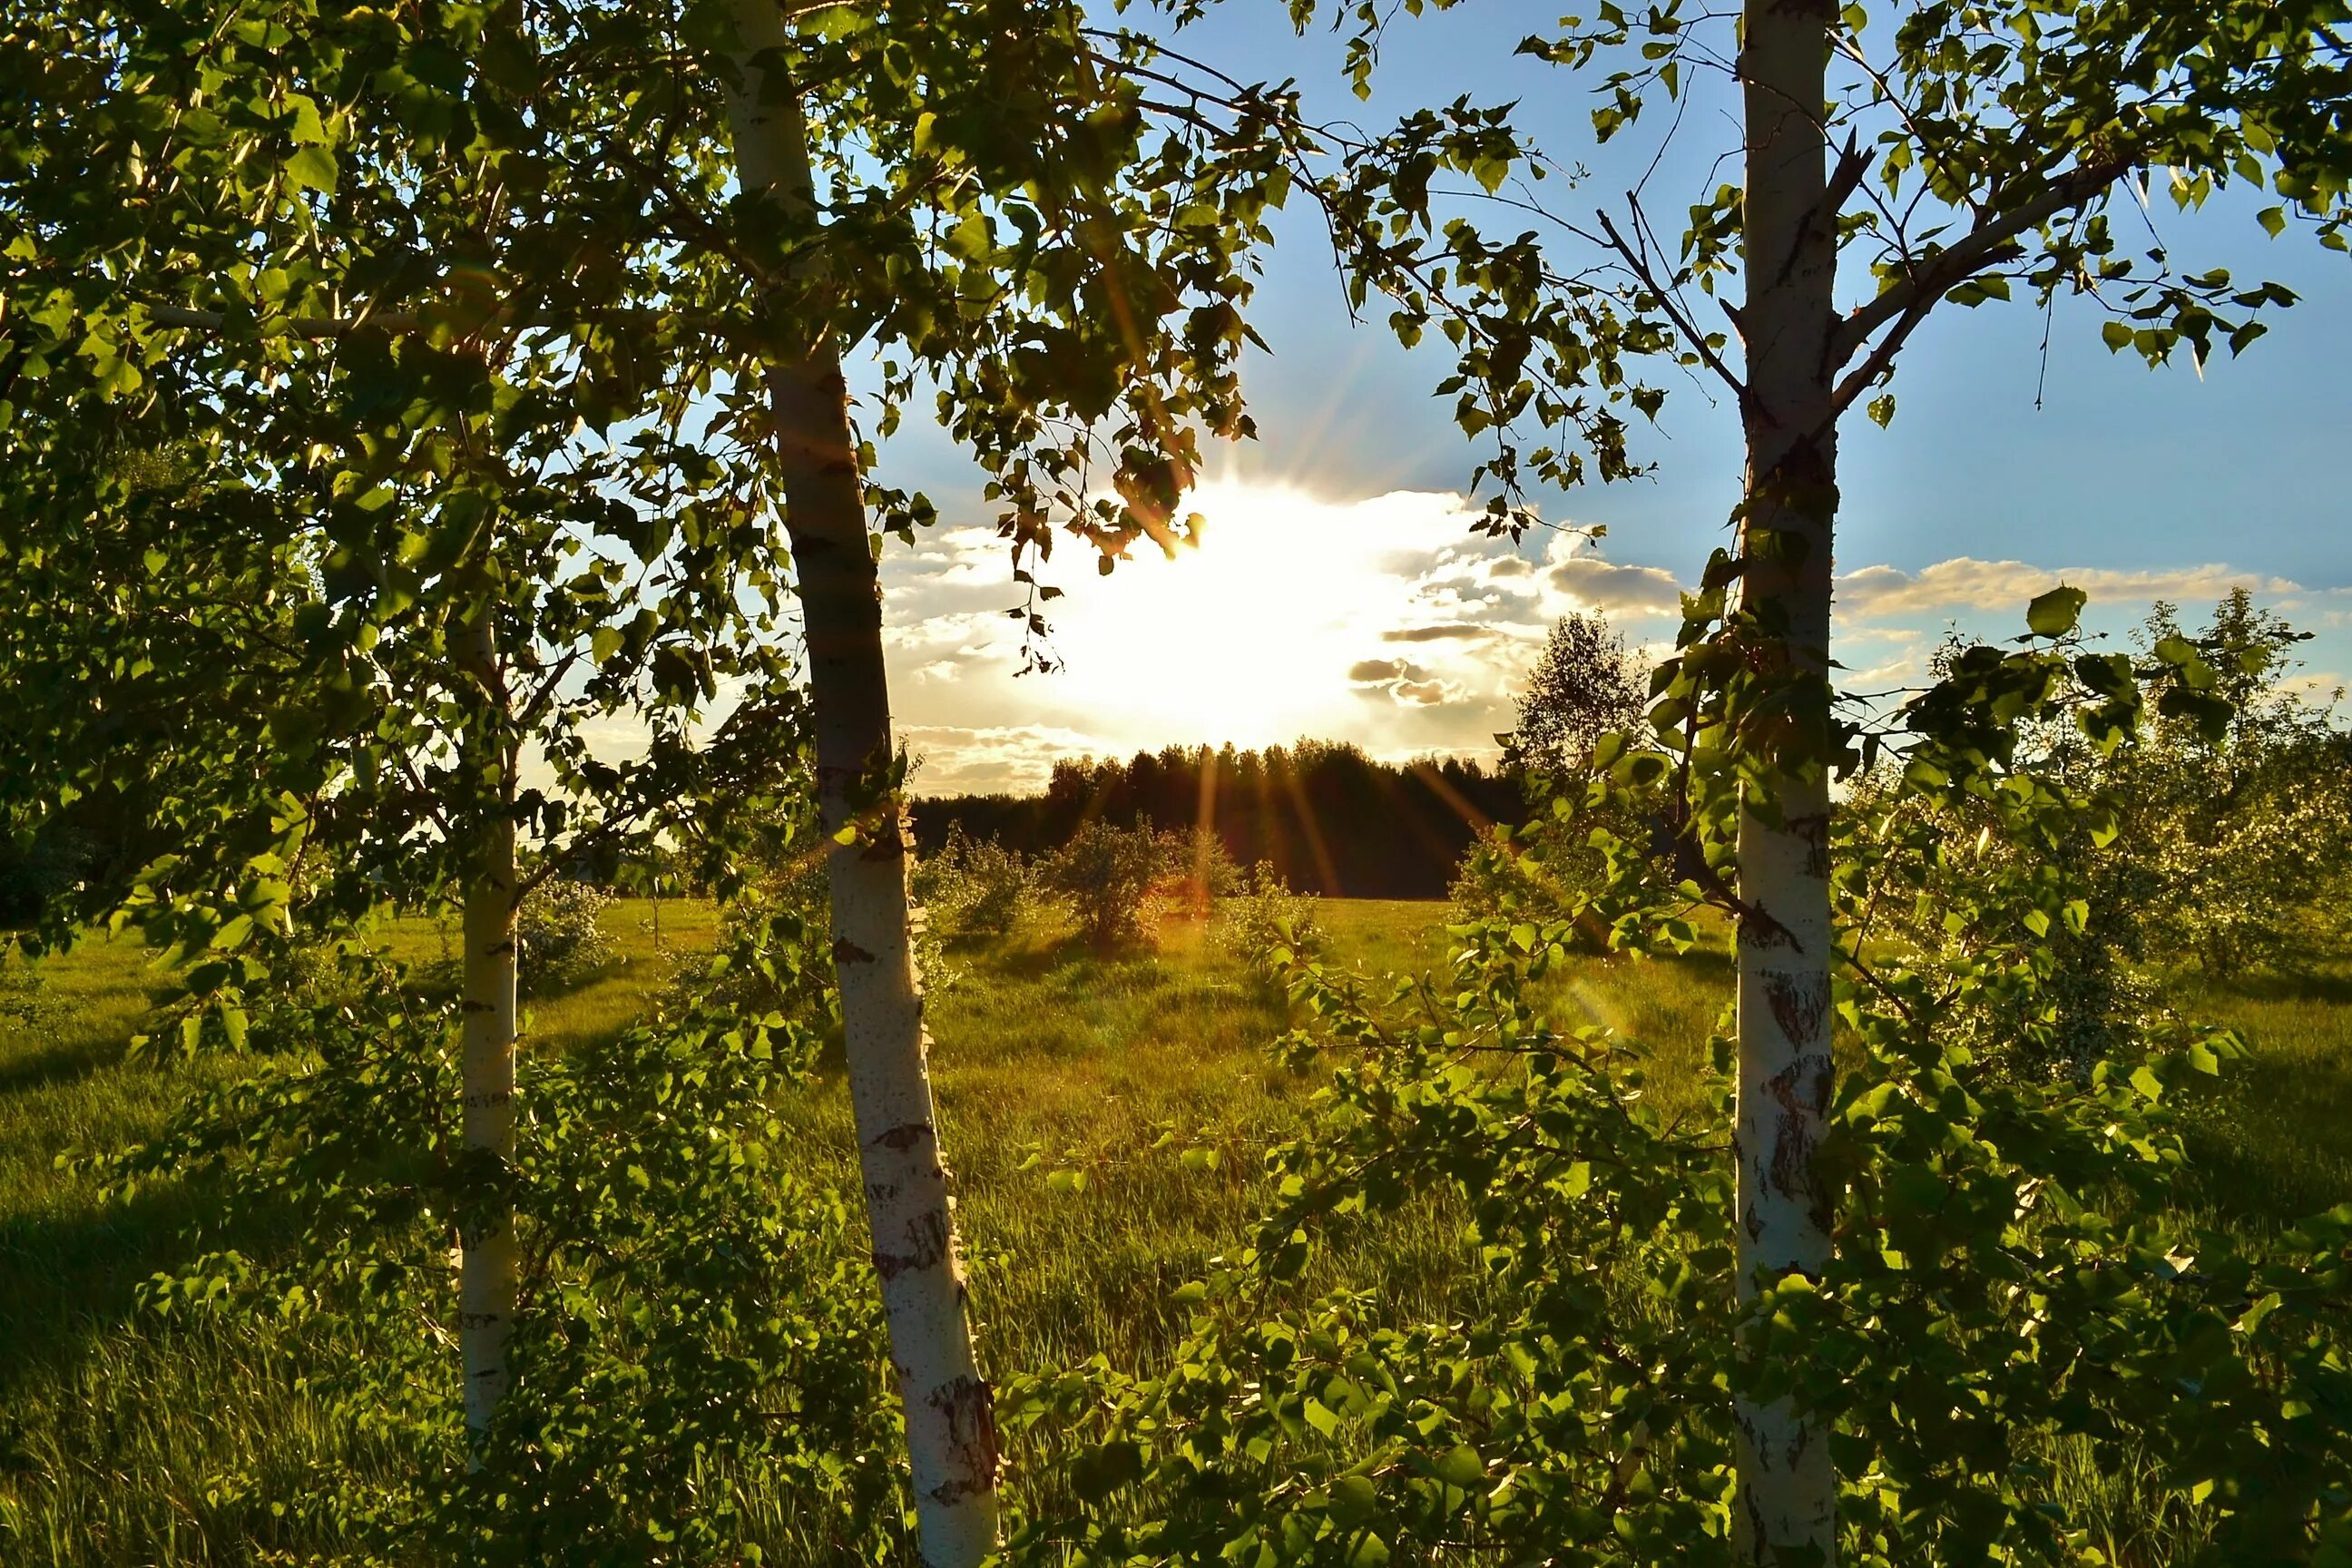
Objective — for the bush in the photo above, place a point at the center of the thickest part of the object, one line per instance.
(791, 896)
(559, 939)
(1489, 882)
(1500, 880)
(2018, 1271)
(2247, 831)
(25, 999)
(1195, 872)
(1267, 926)
(973, 887)
(699, 1328)
(1111, 878)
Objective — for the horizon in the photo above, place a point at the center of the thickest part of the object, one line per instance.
(1410, 643)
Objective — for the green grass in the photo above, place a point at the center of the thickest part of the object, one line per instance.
(116, 1431)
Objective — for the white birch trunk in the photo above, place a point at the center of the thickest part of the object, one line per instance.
(949, 1411)
(1786, 1510)
(487, 1268)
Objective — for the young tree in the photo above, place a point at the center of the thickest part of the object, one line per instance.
(2244, 837)
(1585, 685)
(1954, 155)
(1114, 879)
(387, 250)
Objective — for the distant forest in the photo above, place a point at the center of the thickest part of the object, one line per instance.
(1330, 819)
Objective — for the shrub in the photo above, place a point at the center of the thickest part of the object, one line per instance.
(1500, 880)
(2018, 1272)
(790, 897)
(973, 887)
(1489, 882)
(559, 939)
(1111, 878)
(1195, 872)
(1267, 927)
(699, 1327)
(2247, 831)
(25, 999)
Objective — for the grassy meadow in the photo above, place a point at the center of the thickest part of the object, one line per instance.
(1104, 1118)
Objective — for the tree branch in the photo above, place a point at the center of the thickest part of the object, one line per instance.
(1991, 242)
(293, 326)
(1637, 259)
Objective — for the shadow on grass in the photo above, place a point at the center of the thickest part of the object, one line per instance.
(47, 1066)
(2333, 988)
(69, 1274)
(2266, 1138)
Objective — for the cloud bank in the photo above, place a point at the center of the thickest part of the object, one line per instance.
(1384, 620)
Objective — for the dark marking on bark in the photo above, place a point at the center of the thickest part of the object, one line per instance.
(492, 1096)
(1799, 1441)
(1815, 832)
(1802, 1090)
(1755, 1541)
(1800, 1003)
(1801, 479)
(848, 951)
(969, 1405)
(926, 1243)
(1760, 932)
(901, 1138)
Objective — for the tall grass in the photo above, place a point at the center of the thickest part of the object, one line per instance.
(1105, 1116)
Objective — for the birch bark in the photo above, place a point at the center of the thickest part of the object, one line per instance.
(950, 1410)
(1785, 1510)
(486, 1265)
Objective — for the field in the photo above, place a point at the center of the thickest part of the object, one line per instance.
(1072, 1088)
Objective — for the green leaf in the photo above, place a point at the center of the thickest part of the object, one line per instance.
(834, 23)
(1355, 1501)
(2055, 613)
(312, 168)
(1096, 1473)
(1462, 1467)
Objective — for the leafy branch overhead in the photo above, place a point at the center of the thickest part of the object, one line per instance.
(2016, 148)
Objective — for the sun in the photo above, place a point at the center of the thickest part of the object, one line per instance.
(1248, 634)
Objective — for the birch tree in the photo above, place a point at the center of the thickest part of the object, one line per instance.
(1889, 163)
(1942, 154)
(403, 253)
(476, 585)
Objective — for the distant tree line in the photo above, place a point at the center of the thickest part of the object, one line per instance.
(1328, 818)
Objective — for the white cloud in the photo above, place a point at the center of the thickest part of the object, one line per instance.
(1964, 582)
(1256, 636)
(1384, 620)
(1615, 589)
(955, 760)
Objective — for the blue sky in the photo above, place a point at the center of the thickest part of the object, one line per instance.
(2136, 483)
